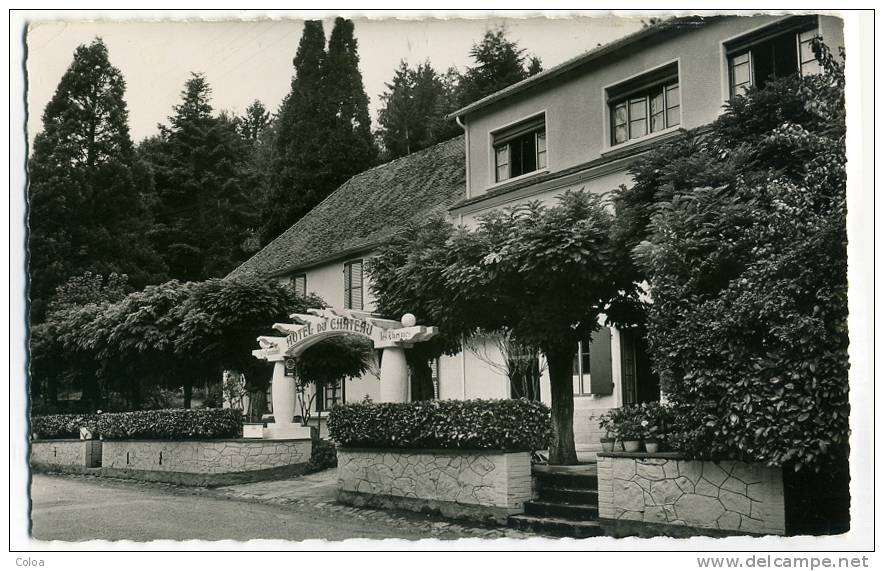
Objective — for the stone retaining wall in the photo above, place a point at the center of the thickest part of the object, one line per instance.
(474, 484)
(664, 489)
(71, 453)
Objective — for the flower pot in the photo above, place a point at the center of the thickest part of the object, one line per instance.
(631, 445)
(607, 444)
(652, 446)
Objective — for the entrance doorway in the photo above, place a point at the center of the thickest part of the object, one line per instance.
(640, 383)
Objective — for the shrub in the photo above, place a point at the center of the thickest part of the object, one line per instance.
(742, 236)
(62, 425)
(324, 455)
(171, 424)
(471, 424)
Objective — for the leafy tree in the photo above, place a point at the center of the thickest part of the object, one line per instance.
(203, 207)
(50, 365)
(408, 276)
(542, 274)
(414, 109)
(85, 192)
(742, 235)
(498, 63)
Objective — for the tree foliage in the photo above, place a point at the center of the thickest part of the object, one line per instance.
(498, 62)
(323, 131)
(543, 274)
(742, 234)
(203, 208)
(85, 185)
(415, 106)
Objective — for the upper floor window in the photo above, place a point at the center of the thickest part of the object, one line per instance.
(645, 105)
(299, 283)
(520, 149)
(759, 58)
(353, 285)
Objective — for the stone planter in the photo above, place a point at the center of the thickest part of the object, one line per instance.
(483, 485)
(664, 494)
(206, 462)
(67, 454)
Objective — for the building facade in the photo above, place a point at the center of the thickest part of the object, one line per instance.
(579, 125)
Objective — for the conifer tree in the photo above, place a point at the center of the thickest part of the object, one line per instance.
(499, 63)
(85, 192)
(414, 113)
(203, 211)
(323, 131)
(350, 148)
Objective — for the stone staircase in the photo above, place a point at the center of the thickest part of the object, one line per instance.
(566, 503)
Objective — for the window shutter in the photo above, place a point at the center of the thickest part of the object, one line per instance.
(601, 381)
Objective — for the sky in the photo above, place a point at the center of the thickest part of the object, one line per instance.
(248, 60)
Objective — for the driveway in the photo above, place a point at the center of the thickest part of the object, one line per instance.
(77, 508)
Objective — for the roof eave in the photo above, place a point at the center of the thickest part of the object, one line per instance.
(574, 63)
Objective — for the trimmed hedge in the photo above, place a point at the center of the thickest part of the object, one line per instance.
(469, 424)
(171, 424)
(62, 425)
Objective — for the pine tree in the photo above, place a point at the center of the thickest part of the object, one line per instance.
(414, 113)
(499, 63)
(203, 211)
(85, 193)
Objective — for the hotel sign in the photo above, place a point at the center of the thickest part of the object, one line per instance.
(322, 324)
(333, 324)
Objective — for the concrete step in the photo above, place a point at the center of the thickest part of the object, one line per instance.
(555, 527)
(582, 476)
(583, 496)
(578, 512)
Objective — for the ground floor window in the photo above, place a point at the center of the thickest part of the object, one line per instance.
(592, 365)
(329, 395)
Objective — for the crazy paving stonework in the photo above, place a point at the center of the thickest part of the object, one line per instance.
(204, 456)
(727, 495)
(468, 484)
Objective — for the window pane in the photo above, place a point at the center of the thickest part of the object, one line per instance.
(673, 116)
(620, 134)
(620, 114)
(657, 118)
(636, 109)
(638, 128)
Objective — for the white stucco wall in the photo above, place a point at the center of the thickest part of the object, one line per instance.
(576, 107)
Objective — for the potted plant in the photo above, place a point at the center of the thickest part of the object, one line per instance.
(606, 424)
(627, 425)
(654, 419)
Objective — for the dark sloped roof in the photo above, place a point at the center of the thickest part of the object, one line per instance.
(366, 209)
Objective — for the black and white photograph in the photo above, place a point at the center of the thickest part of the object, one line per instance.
(472, 280)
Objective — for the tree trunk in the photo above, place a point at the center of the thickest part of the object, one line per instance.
(562, 450)
(188, 391)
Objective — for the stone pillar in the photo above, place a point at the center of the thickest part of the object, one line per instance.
(394, 375)
(283, 394)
